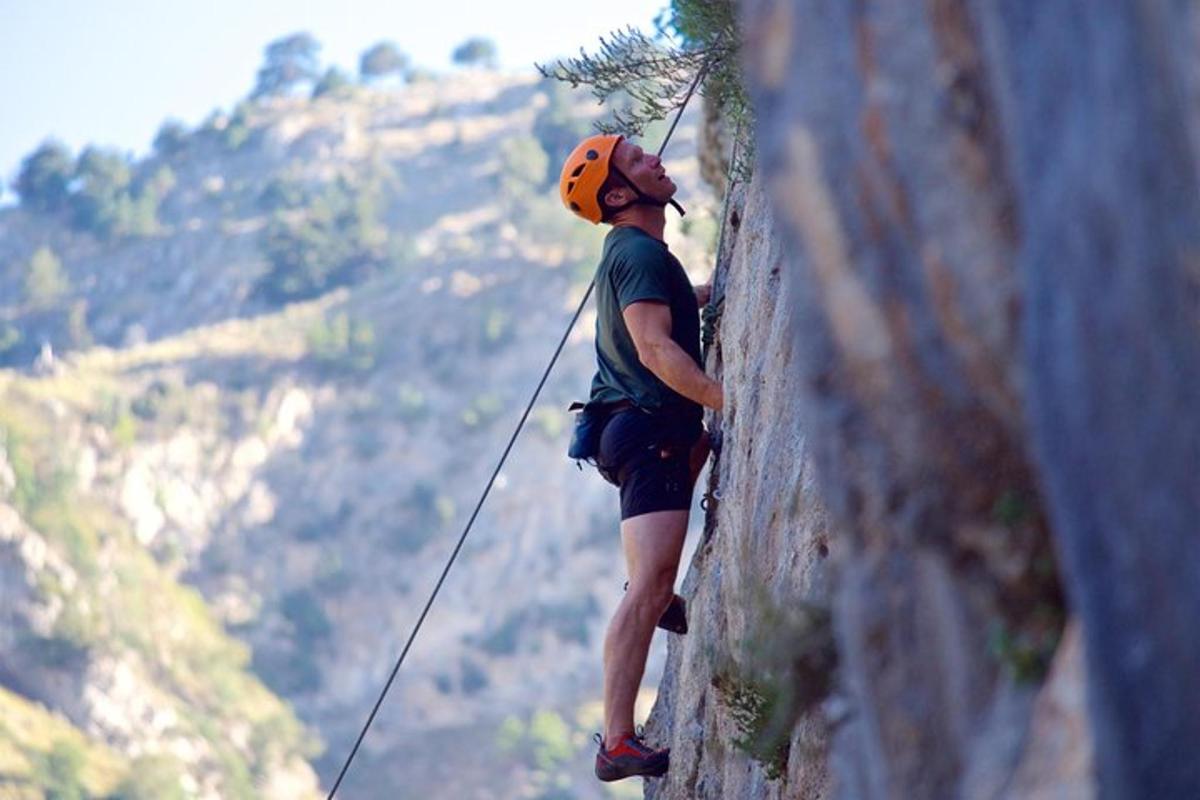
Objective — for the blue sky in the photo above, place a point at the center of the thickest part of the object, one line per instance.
(110, 71)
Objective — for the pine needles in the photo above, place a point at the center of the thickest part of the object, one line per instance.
(644, 78)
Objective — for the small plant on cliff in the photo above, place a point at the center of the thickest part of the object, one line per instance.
(753, 707)
(785, 666)
(1024, 637)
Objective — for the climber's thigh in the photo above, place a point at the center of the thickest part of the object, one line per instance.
(653, 543)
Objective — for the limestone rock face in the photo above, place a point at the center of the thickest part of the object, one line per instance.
(765, 542)
(980, 332)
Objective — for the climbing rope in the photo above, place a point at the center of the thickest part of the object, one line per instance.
(488, 488)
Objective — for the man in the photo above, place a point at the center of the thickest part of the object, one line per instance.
(648, 392)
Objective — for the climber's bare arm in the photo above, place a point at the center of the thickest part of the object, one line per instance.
(649, 325)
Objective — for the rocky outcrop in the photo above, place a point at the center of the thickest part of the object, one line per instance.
(986, 214)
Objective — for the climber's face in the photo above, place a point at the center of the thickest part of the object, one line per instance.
(645, 170)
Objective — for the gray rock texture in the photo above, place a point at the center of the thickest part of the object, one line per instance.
(982, 340)
(765, 541)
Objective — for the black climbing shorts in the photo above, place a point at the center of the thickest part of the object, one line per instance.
(646, 456)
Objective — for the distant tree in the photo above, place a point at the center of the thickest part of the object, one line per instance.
(237, 130)
(160, 182)
(103, 178)
(45, 281)
(333, 82)
(42, 184)
(107, 200)
(59, 772)
(303, 609)
(289, 62)
(77, 327)
(381, 60)
(330, 238)
(342, 344)
(137, 214)
(280, 194)
(476, 51)
(551, 740)
(170, 139)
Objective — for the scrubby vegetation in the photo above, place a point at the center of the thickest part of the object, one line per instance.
(41, 753)
(784, 666)
(342, 344)
(100, 191)
(320, 237)
(153, 622)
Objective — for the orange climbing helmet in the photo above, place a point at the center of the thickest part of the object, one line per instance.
(584, 173)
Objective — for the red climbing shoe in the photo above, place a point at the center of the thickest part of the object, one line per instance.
(630, 757)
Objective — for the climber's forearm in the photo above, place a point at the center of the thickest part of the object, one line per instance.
(674, 367)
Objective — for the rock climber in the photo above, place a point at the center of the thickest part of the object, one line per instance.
(642, 425)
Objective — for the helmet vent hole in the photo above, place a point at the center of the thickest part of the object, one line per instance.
(574, 206)
(578, 171)
(592, 155)
(571, 187)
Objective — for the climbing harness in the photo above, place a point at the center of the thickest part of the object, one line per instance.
(488, 488)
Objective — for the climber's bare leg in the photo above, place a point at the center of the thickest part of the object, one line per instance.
(653, 543)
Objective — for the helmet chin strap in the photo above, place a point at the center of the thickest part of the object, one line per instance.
(642, 198)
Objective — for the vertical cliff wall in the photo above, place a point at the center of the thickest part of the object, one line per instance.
(761, 562)
(976, 325)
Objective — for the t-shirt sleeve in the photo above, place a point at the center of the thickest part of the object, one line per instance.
(641, 276)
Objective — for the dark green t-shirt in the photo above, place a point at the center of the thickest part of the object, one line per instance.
(635, 267)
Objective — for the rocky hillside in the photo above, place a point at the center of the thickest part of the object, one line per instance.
(255, 382)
